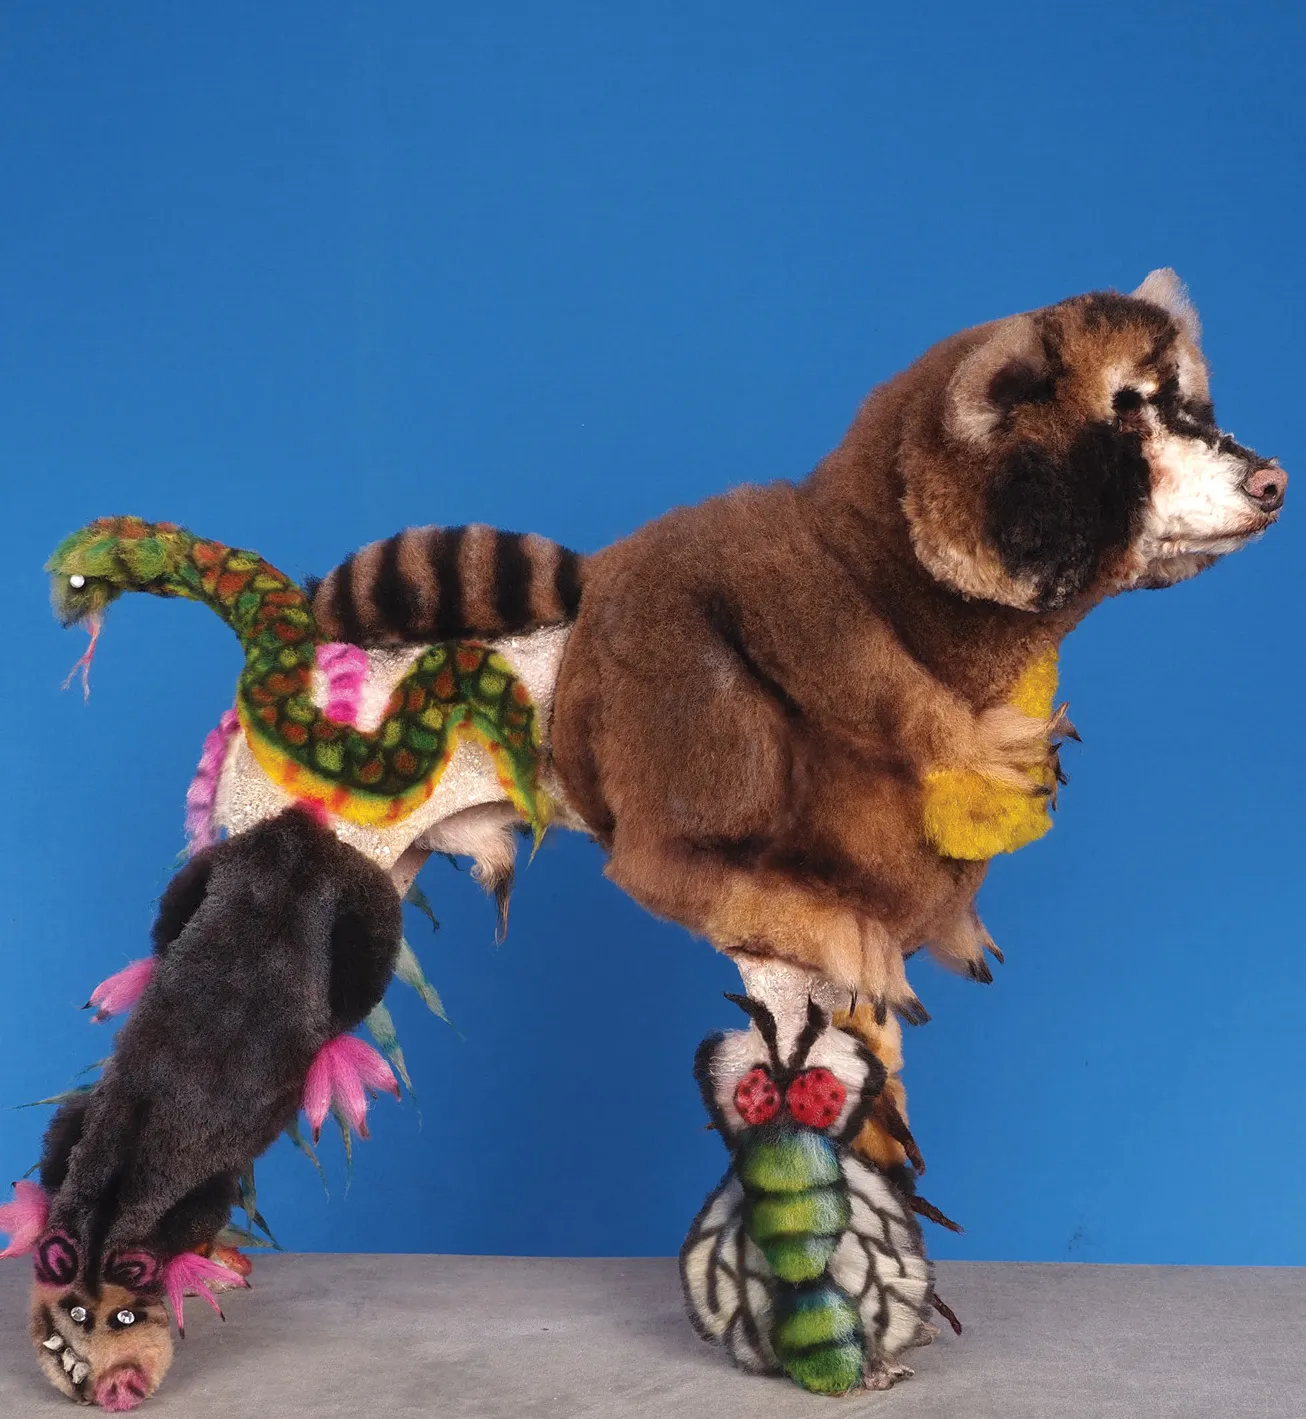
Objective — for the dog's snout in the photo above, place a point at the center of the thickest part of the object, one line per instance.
(1266, 486)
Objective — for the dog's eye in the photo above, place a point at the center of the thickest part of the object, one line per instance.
(1127, 401)
(78, 1314)
(126, 1317)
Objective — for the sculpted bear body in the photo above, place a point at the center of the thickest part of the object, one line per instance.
(801, 717)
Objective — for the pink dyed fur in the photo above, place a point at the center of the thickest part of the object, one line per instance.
(193, 1275)
(345, 669)
(23, 1220)
(122, 1390)
(203, 790)
(345, 1069)
(120, 992)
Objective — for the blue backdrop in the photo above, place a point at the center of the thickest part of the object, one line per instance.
(299, 275)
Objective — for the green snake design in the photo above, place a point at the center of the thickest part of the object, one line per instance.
(454, 690)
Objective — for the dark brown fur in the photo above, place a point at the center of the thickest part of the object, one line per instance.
(267, 945)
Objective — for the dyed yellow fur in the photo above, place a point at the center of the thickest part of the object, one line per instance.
(970, 817)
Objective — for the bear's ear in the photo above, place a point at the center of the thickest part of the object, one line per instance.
(1009, 367)
(1164, 288)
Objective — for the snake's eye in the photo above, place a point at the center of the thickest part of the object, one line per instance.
(78, 1314)
(126, 1317)
(77, 581)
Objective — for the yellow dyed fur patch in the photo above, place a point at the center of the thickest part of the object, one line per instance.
(969, 816)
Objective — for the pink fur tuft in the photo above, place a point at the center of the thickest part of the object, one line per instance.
(193, 1275)
(122, 1390)
(345, 1070)
(120, 992)
(345, 668)
(316, 809)
(203, 791)
(23, 1220)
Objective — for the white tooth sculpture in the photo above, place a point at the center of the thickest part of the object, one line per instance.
(80, 1372)
(69, 1360)
(55, 1342)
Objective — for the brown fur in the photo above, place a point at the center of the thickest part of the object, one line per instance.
(757, 689)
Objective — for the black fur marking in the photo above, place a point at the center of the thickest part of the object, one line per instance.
(876, 1076)
(449, 621)
(724, 622)
(181, 899)
(61, 1136)
(139, 1271)
(1112, 311)
(1127, 401)
(343, 607)
(512, 580)
(56, 1260)
(703, 1078)
(199, 1216)
(765, 1022)
(310, 585)
(1020, 382)
(364, 947)
(813, 1027)
(393, 595)
(566, 582)
(1055, 522)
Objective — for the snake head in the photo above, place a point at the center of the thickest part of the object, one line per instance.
(96, 564)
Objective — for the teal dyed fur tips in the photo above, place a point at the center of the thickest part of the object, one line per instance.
(806, 1260)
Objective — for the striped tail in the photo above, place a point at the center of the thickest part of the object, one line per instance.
(429, 584)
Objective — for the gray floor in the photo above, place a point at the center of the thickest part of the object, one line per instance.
(366, 1336)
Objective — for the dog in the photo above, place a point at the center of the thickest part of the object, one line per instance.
(800, 718)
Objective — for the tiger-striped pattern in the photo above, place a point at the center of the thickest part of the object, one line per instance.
(429, 584)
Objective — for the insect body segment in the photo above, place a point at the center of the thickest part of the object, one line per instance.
(805, 1260)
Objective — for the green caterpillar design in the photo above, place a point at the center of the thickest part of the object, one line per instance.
(454, 690)
(805, 1260)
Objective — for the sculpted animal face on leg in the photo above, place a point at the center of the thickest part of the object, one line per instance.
(269, 948)
(805, 1260)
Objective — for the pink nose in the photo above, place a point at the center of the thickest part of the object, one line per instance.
(1267, 485)
(122, 1390)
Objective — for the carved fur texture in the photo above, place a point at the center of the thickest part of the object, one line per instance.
(798, 716)
(267, 946)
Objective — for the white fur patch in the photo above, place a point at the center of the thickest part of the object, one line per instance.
(1197, 502)
(742, 1050)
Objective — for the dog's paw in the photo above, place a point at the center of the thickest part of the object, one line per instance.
(880, 1374)
(1017, 750)
(996, 797)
